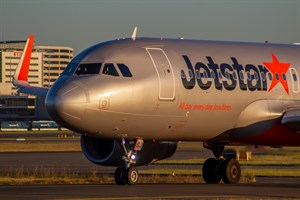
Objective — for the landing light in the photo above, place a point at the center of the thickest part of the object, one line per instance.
(133, 156)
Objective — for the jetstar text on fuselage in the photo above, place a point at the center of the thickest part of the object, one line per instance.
(235, 75)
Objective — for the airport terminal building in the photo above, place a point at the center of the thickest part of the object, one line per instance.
(46, 64)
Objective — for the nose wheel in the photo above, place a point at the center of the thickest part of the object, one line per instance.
(120, 177)
(128, 174)
(132, 176)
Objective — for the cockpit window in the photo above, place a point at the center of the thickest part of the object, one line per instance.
(70, 69)
(124, 70)
(110, 69)
(88, 68)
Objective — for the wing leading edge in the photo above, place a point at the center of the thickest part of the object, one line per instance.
(20, 78)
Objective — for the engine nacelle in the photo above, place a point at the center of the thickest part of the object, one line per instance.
(109, 152)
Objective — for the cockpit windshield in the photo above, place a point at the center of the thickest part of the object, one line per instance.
(73, 65)
(124, 70)
(88, 68)
(110, 69)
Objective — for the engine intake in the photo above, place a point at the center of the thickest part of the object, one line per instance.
(109, 152)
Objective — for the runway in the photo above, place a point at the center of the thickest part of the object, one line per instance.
(265, 188)
(74, 161)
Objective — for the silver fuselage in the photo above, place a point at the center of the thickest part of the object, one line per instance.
(179, 90)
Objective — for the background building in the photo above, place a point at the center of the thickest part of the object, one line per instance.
(47, 63)
(10, 61)
(54, 61)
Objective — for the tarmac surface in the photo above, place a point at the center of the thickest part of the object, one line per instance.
(75, 161)
(264, 188)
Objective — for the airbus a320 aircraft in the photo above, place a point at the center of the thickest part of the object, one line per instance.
(133, 99)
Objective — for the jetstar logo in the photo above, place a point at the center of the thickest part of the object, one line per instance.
(229, 76)
(278, 69)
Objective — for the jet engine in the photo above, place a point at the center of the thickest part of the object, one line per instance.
(109, 152)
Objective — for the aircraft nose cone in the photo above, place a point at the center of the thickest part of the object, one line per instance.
(66, 105)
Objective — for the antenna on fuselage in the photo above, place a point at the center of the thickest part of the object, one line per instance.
(134, 33)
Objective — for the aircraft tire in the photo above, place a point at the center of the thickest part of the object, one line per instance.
(120, 177)
(132, 176)
(211, 172)
(231, 171)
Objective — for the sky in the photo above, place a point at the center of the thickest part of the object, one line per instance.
(82, 23)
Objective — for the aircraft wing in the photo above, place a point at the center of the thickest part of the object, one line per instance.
(291, 118)
(20, 79)
(39, 91)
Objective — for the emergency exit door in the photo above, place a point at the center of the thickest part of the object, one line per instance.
(165, 73)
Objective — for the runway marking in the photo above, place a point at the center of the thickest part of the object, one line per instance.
(162, 197)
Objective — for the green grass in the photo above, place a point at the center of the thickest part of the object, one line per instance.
(274, 172)
(33, 146)
(37, 132)
(273, 159)
(158, 179)
(41, 175)
(65, 176)
(55, 180)
(51, 175)
(290, 163)
(171, 172)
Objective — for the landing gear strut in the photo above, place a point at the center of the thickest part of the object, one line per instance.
(128, 174)
(215, 169)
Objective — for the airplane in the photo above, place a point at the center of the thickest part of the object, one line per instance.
(133, 99)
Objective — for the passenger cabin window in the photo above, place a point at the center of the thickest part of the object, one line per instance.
(124, 70)
(198, 74)
(191, 74)
(110, 69)
(220, 75)
(263, 76)
(284, 77)
(277, 76)
(270, 76)
(88, 68)
(241, 75)
(294, 77)
(227, 74)
(249, 76)
(183, 74)
(213, 76)
(256, 76)
(234, 76)
(205, 74)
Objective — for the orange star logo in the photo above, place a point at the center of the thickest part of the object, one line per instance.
(278, 71)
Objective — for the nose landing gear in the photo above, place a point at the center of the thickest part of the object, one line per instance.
(125, 176)
(128, 174)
